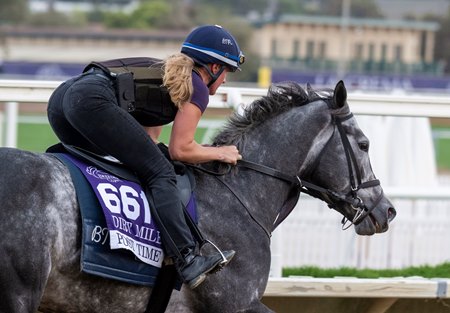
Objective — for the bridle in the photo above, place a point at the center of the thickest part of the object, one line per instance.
(333, 198)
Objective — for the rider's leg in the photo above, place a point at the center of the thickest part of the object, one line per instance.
(169, 215)
(91, 112)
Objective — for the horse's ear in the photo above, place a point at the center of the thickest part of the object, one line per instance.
(340, 94)
(309, 88)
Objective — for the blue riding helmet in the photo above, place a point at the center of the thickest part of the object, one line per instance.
(212, 44)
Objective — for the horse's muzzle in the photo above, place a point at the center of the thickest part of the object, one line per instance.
(378, 219)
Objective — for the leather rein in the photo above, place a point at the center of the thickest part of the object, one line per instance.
(332, 198)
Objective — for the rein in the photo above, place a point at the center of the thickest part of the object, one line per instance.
(218, 176)
(332, 198)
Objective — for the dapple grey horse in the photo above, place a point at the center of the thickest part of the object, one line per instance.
(293, 140)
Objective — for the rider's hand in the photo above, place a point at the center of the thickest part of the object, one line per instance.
(229, 154)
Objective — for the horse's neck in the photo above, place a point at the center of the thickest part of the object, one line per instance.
(288, 143)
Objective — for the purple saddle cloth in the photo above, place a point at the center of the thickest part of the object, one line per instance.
(119, 237)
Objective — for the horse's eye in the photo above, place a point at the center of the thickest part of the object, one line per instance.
(364, 146)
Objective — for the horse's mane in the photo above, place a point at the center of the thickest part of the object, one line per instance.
(279, 99)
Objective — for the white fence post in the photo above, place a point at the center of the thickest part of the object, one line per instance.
(11, 111)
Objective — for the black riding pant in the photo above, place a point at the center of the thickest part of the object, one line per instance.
(84, 112)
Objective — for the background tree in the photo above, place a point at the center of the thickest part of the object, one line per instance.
(150, 14)
(54, 18)
(13, 11)
(260, 7)
(153, 14)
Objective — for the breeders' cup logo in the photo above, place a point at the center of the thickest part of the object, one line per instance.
(93, 171)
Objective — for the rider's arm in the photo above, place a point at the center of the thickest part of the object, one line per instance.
(184, 148)
(154, 132)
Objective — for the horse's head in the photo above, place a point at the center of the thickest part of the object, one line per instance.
(344, 173)
(325, 153)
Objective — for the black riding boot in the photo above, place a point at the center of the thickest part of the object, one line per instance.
(193, 268)
(176, 236)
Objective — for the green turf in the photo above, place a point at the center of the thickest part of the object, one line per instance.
(37, 137)
(441, 270)
(442, 149)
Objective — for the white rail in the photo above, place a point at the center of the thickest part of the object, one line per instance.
(364, 104)
(415, 193)
(399, 287)
(34, 91)
(355, 295)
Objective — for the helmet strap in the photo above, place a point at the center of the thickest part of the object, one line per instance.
(213, 76)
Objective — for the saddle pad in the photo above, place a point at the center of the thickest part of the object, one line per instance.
(128, 220)
(127, 214)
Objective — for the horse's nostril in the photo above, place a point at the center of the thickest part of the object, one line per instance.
(391, 214)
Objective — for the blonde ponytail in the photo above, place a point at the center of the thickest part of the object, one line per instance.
(178, 78)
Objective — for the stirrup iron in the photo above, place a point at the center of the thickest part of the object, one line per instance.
(224, 259)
